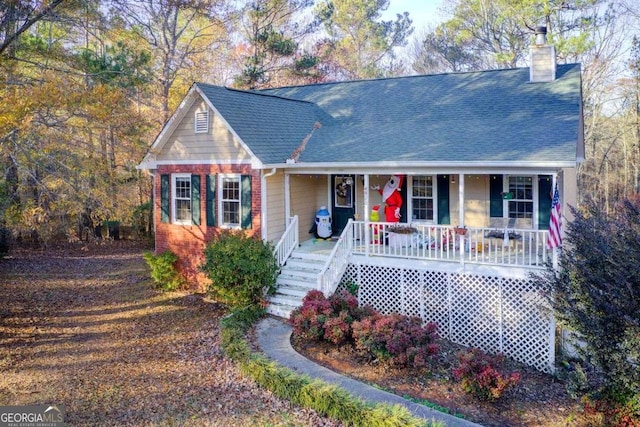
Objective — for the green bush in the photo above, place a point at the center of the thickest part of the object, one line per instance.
(595, 293)
(242, 269)
(163, 270)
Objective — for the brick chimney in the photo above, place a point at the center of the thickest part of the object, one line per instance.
(543, 58)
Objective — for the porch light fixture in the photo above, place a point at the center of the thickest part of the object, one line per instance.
(453, 179)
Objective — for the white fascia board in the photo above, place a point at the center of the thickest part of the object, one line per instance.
(205, 162)
(420, 167)
(257, 164)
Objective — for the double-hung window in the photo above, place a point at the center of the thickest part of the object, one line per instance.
(422, 198)
(520, 190)
(182, 198)
(230, 200)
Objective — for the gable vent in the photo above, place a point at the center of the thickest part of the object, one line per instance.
(202, 121)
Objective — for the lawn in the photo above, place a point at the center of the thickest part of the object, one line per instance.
(83, 327)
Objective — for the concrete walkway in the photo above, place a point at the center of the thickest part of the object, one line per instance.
(274, 338)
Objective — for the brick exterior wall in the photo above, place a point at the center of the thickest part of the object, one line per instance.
(189, 241)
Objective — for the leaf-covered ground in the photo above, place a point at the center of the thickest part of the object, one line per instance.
(83, 327)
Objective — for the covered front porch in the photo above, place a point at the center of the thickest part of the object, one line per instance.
(433, 203)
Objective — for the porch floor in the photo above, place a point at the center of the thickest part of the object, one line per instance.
(318, 246)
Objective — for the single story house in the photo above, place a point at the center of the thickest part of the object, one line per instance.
(478, 155)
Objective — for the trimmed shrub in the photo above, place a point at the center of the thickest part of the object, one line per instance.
(481, 374)
(330, 319)
(397, 339)
(163, 270)
(242, 269)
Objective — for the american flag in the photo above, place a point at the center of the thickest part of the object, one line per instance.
(554, 239)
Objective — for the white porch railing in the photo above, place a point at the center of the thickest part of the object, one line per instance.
(515, 247)
(288, 242)
(336, 264)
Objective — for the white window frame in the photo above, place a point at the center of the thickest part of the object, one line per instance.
(434, 197)
(174, 198)
(221, 200)
(534, 195)
(201, 121)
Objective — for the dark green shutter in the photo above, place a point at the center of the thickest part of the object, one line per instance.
(495, 196)
(443, 200)
(245, 220)
(195, 199)
(165, 202)
(544, 201)
(211, 200)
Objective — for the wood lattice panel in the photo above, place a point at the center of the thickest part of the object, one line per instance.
(495, 314)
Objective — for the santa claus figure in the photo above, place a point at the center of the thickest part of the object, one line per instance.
(391, 198)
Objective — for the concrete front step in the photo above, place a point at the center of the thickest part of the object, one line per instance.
(295, 273)
(297, 277)
(280, 310)
(298, 291)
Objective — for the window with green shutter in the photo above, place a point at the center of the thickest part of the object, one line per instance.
(165, 202)
(195, 199)
(246, 201)
(211, 200)
(234, 193)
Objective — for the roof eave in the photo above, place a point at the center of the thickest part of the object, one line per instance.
(403, 165)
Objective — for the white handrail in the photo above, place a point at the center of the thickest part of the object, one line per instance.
(337, 262)
(482, 245)
(288, 242)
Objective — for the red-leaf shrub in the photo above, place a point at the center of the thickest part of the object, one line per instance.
(308, 320)
(321, 318)
(481, 376)
(397, 339)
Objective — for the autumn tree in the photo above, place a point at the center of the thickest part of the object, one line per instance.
(179, 34)
(272, 32)
(16, 17)
(71, 135)
(358, 43)
(488, 34)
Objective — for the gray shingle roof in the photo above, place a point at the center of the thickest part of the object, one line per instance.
(272, 127)
(470, 117)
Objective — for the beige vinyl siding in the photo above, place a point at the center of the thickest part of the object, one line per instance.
(308, 193)
(218, 145)
(276, 220)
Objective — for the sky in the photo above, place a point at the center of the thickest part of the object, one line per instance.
(422, 12)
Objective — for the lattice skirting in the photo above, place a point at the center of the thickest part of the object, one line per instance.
(496, 314)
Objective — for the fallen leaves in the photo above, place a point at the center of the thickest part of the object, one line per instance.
(86, 329)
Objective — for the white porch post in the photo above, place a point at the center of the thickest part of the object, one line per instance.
(365, 198)
(365, 201)
(461, 214)
(263, 203)
(461, 200)
(554, 251)
(287, 197)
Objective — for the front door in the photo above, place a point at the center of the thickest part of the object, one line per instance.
(343, 201)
